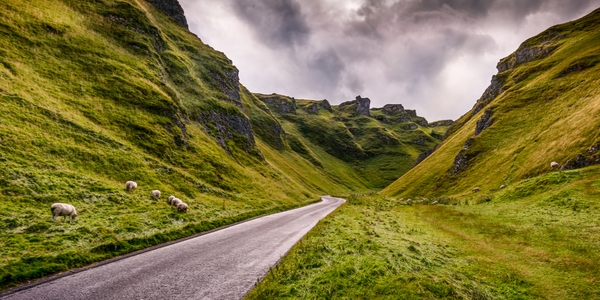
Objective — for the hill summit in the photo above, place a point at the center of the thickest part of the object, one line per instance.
(374, 146)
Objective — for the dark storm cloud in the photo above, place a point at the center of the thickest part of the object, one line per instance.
(278, 22)
(328, 68)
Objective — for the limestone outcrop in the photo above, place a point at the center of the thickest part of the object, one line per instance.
(173, 9)
(280, 104)
(441, 123)
(363, 105)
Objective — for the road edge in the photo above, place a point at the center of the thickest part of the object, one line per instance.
(278, 262)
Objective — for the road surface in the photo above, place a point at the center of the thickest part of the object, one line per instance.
(224, 264)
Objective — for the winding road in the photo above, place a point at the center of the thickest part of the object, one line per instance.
(224, 264)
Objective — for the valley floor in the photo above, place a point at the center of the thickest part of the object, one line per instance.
(498, 246)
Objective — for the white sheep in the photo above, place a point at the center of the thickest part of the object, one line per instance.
(434, 203)
(170, 199)
(554, 165)
(155, 194)
(476, 189)
(176, 202)
(130, 185)
(182, 207)
(61, 209)
(502, 186)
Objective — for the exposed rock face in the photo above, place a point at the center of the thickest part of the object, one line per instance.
(383, 119)
(590, 158)
(326, 105)
(527, 53)
(485, 122)
(392, 109)
(173, 9)
(314, 108)
(282, 105)
(422, 122)
(230, 86)
(426, 154)
(224, 127)
(363, 105)
(492, 91)
(412, 113)
(461, 160)
(420, 141)
(441, 123)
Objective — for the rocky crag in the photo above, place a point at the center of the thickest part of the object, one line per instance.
(388, 139)
(173, 9)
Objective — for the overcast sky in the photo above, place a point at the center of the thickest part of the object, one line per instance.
(436, 56)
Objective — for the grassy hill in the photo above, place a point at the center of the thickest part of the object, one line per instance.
(357, 145)
(542, 106)
(536, 238)
(96, 93)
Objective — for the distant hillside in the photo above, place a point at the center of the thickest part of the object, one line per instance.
(352, 142)
(542, 106)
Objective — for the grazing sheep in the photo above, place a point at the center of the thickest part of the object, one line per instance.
(176, 202)
(554, 165)
(182, 207)
(170, 199)
(155, 194)
(61, 209)
(130, 185)
(476, 189)
(502, 186)
(434, 203)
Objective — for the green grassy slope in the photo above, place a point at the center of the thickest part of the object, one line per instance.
(542, 106)
(353, 149)
(96, 93)
(537, 239)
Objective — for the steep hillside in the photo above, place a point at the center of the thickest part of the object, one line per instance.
(353, 143)
(96, 93)
(542, 106)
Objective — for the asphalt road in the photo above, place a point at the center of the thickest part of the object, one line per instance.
(224, 264)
